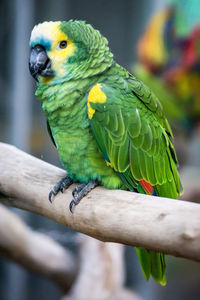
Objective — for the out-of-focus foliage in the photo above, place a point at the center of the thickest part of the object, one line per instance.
(169, 59)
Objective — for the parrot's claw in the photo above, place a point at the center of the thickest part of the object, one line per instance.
(78, 189)
(81, 191)
(61, 186)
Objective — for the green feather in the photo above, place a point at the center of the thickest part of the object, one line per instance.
(134, 124)
(152, 263)
(123, 158)
(145, 261)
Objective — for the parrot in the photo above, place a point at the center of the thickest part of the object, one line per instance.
(109, 128)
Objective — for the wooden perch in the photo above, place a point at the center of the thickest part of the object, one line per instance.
(35, 251)
(156, 223)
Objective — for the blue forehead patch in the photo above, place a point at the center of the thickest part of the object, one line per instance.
(41, 41)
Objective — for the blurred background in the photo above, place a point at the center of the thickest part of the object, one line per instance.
(157, 40)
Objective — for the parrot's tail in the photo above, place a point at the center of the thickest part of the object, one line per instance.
(152, 263)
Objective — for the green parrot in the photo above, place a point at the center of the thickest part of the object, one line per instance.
(108, 127)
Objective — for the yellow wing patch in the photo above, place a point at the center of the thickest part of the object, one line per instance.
(96, 95)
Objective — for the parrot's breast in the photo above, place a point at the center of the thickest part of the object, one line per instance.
(67, 114)
(82, 159)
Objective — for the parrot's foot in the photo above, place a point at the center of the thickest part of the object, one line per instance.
(62, 185)
(81, 191)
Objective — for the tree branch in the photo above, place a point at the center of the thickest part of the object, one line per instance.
(155, 223)
(35, 251)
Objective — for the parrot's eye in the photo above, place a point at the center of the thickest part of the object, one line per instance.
(62, 44)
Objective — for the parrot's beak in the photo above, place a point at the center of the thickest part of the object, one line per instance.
(39, 63)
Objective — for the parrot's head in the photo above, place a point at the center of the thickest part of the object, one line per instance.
(61, 51)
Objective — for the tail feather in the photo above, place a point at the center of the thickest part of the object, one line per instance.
(145, 262)
(152, 263)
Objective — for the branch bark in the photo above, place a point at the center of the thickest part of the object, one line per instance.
(156, 223)
(35, 251)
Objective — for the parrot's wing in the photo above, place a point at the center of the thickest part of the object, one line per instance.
(149, 99)
(133, 136)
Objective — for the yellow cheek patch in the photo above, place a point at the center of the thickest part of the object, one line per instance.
(96, 95)
(59, 56)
